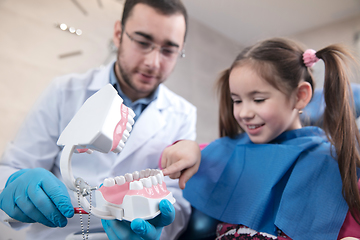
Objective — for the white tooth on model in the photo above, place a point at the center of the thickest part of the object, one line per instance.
(153, 172)
(131, 113)
(89, 151)
(126, 133)
(120, 180)
(142, 173)
(147, 172)
(159, 178)
(109, 182)
(154, 181)
(136, 185)
(117, 149)
(129, 177)
(136, 175)
(128, 126)
(162, 175)
(121, 144)
(124, 138)
(146, 182)
(131, 119)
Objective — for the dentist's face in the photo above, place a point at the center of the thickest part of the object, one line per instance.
(140, 72)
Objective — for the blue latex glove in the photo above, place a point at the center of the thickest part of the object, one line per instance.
(36, 195)
(139, 228)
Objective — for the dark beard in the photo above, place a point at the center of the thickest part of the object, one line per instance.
(125, 77)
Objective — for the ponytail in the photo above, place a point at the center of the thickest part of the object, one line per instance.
(339, 122)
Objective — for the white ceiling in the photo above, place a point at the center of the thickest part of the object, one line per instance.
(246, 21)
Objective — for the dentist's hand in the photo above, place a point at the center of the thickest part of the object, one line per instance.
(36, 195)
(139, 228)
(181, 160)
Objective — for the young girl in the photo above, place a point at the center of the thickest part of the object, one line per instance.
(268, 177)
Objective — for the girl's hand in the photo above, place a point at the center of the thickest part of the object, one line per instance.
(181, 160)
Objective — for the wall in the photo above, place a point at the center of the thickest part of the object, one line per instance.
(207, 54)
(342, 32)
(31, 46)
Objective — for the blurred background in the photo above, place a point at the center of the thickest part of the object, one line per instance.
(34, 49)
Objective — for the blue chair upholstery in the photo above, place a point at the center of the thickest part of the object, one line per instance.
(313, 112)
(200, 227)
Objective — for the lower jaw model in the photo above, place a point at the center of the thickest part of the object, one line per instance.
(135, 195)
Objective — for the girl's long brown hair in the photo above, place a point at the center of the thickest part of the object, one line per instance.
(279, 61)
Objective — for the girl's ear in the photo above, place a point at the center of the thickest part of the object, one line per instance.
(117, 33)
(303, 95)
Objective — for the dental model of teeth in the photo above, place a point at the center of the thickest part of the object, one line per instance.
(135, 195)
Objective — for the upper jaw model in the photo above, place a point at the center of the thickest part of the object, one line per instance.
(135, 195)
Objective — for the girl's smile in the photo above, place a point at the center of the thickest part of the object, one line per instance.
(254, 129)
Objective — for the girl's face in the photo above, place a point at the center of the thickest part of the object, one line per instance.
(261, 110)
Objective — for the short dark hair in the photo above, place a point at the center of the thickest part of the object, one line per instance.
(166, 7)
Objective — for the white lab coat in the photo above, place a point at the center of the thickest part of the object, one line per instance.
(165, 120)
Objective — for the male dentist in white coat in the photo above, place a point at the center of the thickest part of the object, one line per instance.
(150, 38)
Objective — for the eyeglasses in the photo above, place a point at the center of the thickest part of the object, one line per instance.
(146, 46)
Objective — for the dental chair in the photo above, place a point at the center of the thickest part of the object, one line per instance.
(201, 227)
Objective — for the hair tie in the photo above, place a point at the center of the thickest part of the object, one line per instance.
(310, 58)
